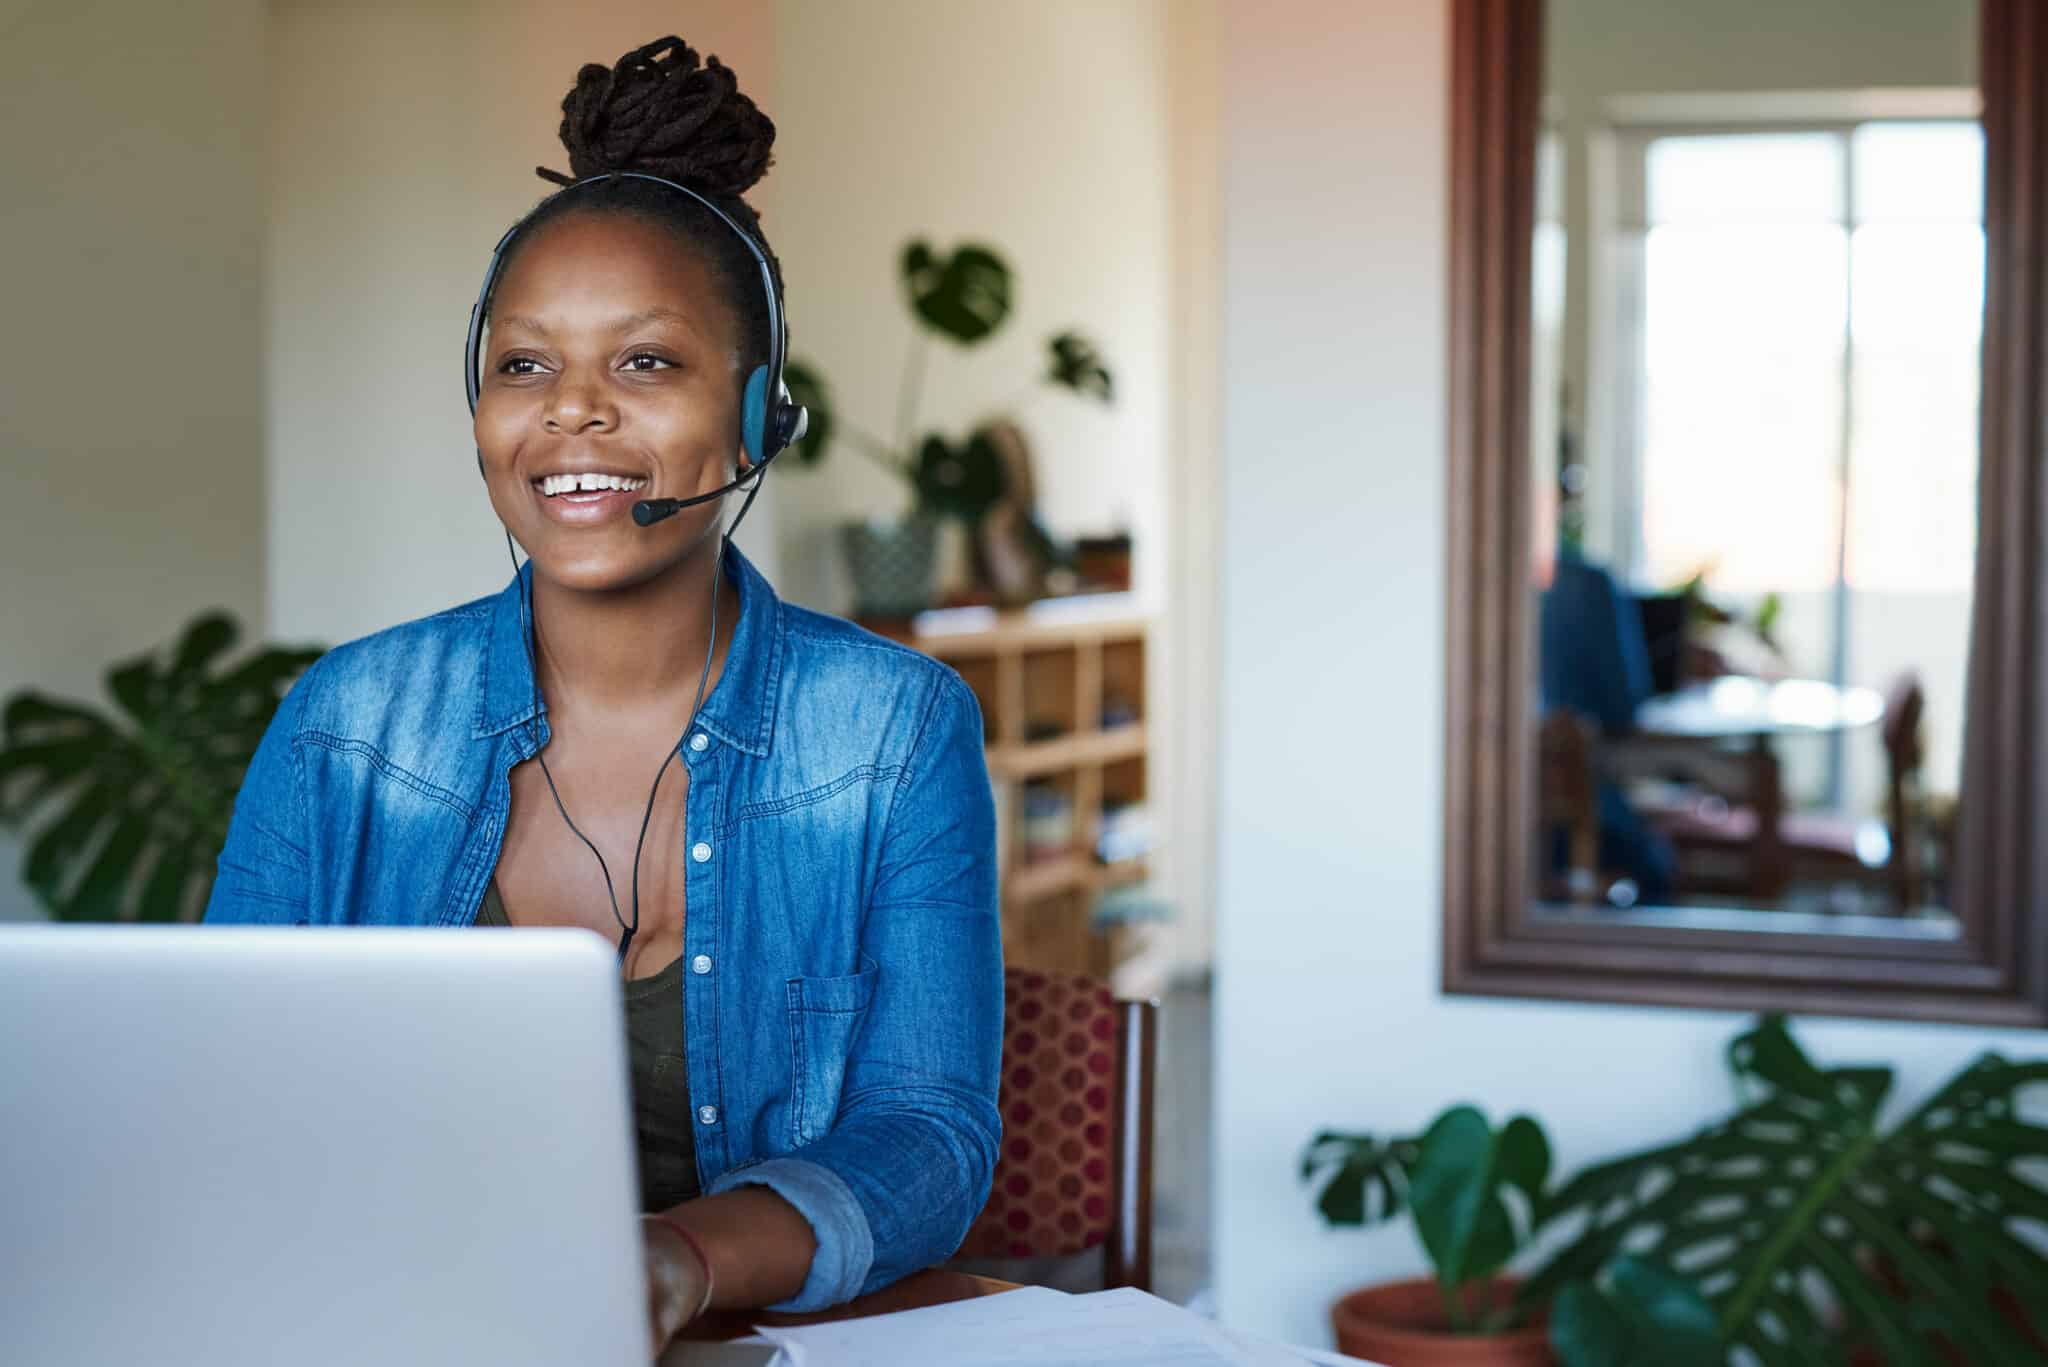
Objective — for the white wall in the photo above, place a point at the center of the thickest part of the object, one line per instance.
(1042, 129)
(130, 368)
(1332, 618)
(402, 143)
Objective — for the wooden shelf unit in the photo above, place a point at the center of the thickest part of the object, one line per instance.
(1053, 665)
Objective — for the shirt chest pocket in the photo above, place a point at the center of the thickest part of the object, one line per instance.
(825, 1017)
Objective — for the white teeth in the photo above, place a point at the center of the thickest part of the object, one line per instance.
(587, 483)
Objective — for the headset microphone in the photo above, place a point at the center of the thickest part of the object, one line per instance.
(649, 511)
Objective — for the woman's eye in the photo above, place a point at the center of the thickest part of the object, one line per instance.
(647, 360)
(518, 365)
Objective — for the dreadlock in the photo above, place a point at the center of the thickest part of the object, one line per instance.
(661, 112)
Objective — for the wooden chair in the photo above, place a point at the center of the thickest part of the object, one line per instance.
(1567, 801)
(1825, 845)
(1075, 1171)
(1742, 818)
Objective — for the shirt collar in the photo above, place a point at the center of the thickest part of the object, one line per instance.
(740, 709)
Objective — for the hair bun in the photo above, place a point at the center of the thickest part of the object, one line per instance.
(660, 112)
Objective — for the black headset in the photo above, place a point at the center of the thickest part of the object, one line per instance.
(770, 422)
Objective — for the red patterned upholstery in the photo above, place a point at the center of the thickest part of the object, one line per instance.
(1052, 1194)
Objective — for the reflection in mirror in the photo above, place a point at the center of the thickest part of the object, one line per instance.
(1758, 291)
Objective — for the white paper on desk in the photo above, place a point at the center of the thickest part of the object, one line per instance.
(1028, 1327)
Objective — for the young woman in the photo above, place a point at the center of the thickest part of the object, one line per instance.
(804, 901)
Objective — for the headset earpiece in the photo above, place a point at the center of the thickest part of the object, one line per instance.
(754, 414)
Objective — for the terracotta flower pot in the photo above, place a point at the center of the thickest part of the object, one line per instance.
(1402, 1324)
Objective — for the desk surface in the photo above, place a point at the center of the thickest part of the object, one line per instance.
(1735, 707)
(933, 1286)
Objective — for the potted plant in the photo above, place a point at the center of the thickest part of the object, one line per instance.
(962, 298)
(1475, 1195)
(140, 799)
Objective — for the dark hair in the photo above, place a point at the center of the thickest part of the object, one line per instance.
(662, 113)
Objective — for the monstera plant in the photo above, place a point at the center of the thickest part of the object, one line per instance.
(1810, 1228)
(1798, 1230)
(963, 298)
(135, 804)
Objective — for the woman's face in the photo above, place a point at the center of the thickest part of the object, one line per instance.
(611, 354)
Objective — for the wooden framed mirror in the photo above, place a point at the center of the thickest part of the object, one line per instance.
(1746, 439)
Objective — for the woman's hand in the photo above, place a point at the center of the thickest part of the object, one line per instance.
(678, 1282)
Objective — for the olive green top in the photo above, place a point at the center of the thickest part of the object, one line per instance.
(661, 1085)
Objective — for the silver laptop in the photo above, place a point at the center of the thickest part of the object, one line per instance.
(232, 1147)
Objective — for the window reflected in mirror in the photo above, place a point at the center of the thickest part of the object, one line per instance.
(1756, 324)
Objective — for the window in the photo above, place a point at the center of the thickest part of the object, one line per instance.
(1798, 312)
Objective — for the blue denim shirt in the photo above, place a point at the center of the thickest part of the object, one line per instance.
(843, 1044)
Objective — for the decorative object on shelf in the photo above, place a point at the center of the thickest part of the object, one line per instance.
(1013, 557)
(146, 793)
(1048, 823)
(891, 561)
(1805, 1231)
(1104, 562)
(983, 477)
(1126, 832)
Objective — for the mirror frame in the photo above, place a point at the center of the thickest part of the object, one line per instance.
(1996, 971)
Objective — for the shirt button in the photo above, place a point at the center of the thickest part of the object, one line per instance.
(708, 1114)
(700, 852)
(700, 742)
(701, 964)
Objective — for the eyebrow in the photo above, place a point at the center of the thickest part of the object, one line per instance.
(624, 324)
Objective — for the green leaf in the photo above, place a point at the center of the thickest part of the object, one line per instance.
(1368, 1178)
(1769, 1054)
(1668, 1315)
(1451, 1189)
(1524, 1160)
(48, 766)
(1586, 1330)
(31, 711)
(1077, 365)
(807, 387)
(1920, 1230)
(208, 637)
(1342, 1201)
(965, 296)
(135, 685)
(164, 896)
(958, 481)
(52, 855)
(1493, 1242)
(98, 896)
(152, 791)
(1767, 614)
(1634, 1314)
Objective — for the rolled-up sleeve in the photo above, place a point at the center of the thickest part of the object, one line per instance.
(894, 1184)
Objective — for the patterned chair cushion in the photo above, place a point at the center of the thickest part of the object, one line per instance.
(1051, 1193)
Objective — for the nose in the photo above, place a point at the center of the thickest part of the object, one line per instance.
(578, 404)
